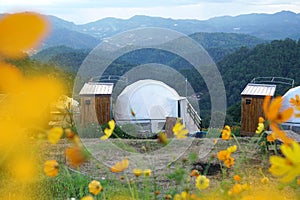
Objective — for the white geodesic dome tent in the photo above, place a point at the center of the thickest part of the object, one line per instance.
(150, 100)
(293, 122)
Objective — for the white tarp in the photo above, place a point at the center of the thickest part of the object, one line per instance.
(293, 121)
(148, 99)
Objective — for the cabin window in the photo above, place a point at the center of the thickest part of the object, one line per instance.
(87, 102)
(248, 101)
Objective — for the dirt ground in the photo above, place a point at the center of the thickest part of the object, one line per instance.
(194, 153)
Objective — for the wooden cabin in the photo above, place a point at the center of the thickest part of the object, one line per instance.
(96, 103)
(251, 109)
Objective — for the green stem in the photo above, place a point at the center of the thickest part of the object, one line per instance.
(237, 142)
(130, 188)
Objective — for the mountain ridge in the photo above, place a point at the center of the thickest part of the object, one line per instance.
(280, 25)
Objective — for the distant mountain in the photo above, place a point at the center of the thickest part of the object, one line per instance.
(280, 25)
(70, 38)
(218, 45)
(266, 26)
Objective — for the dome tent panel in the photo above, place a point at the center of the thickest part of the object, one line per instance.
(293, 122)
(149, 100)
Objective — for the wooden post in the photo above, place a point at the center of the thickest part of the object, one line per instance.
(170, 123)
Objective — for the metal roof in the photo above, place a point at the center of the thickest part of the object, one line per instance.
(259, 90)
(96, 88)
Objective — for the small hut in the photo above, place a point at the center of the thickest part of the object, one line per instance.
(96, 103)
(252, 101)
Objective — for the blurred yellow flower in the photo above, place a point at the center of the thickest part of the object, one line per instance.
(184, 196)
(87, 198)
(264, 180)
(120, 166)
(20, 32)
(162, 138)
(179, 130)
(132, 112)
(245, 186)
(295, 101)
(108, 131)
(260, 128)
(215, 141)
(95, 187)
(287, 168)
(69, 133)
(229, 162)
(75, 156)
(273, 114)
(271, 137)
(137, 172)
(261, 120)
(226, 133)
(147, 172)
(51, 168)
(298, 181)
(236, 189)
(202, 182)
(232, 149)
(237, 178)
(195, 173)
(55, 134)
(223, 155)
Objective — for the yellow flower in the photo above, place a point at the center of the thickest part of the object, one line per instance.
(137, 172)
(215, 141)
(147, 172)
(287, 168)
(195, 173)
(295, 101)
(261, 120)
(229, 162)
(51, 168)
(15, 35)
(273, 114)
(55, 134)
(223, 155)
(75, 156)
(271, 137)
(120, 166)
(264, 180)
(179, 130)
(232, 149)
(236, 189)
(202, 182)
(237, 178)
(281, 135)
(260, 128)
(298, 181)
(226, 133)
(162, 138)
(69, 134)
(95, 187)
(183, 196)
(245, 186)
(132, 112)
(108, 131)
(87, 198)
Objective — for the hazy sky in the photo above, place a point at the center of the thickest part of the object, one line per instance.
(82, 11)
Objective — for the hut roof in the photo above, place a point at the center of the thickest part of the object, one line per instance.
(259, 90)
(96, 88)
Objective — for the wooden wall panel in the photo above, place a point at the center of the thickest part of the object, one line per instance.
(250, 112)
(102, 106)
